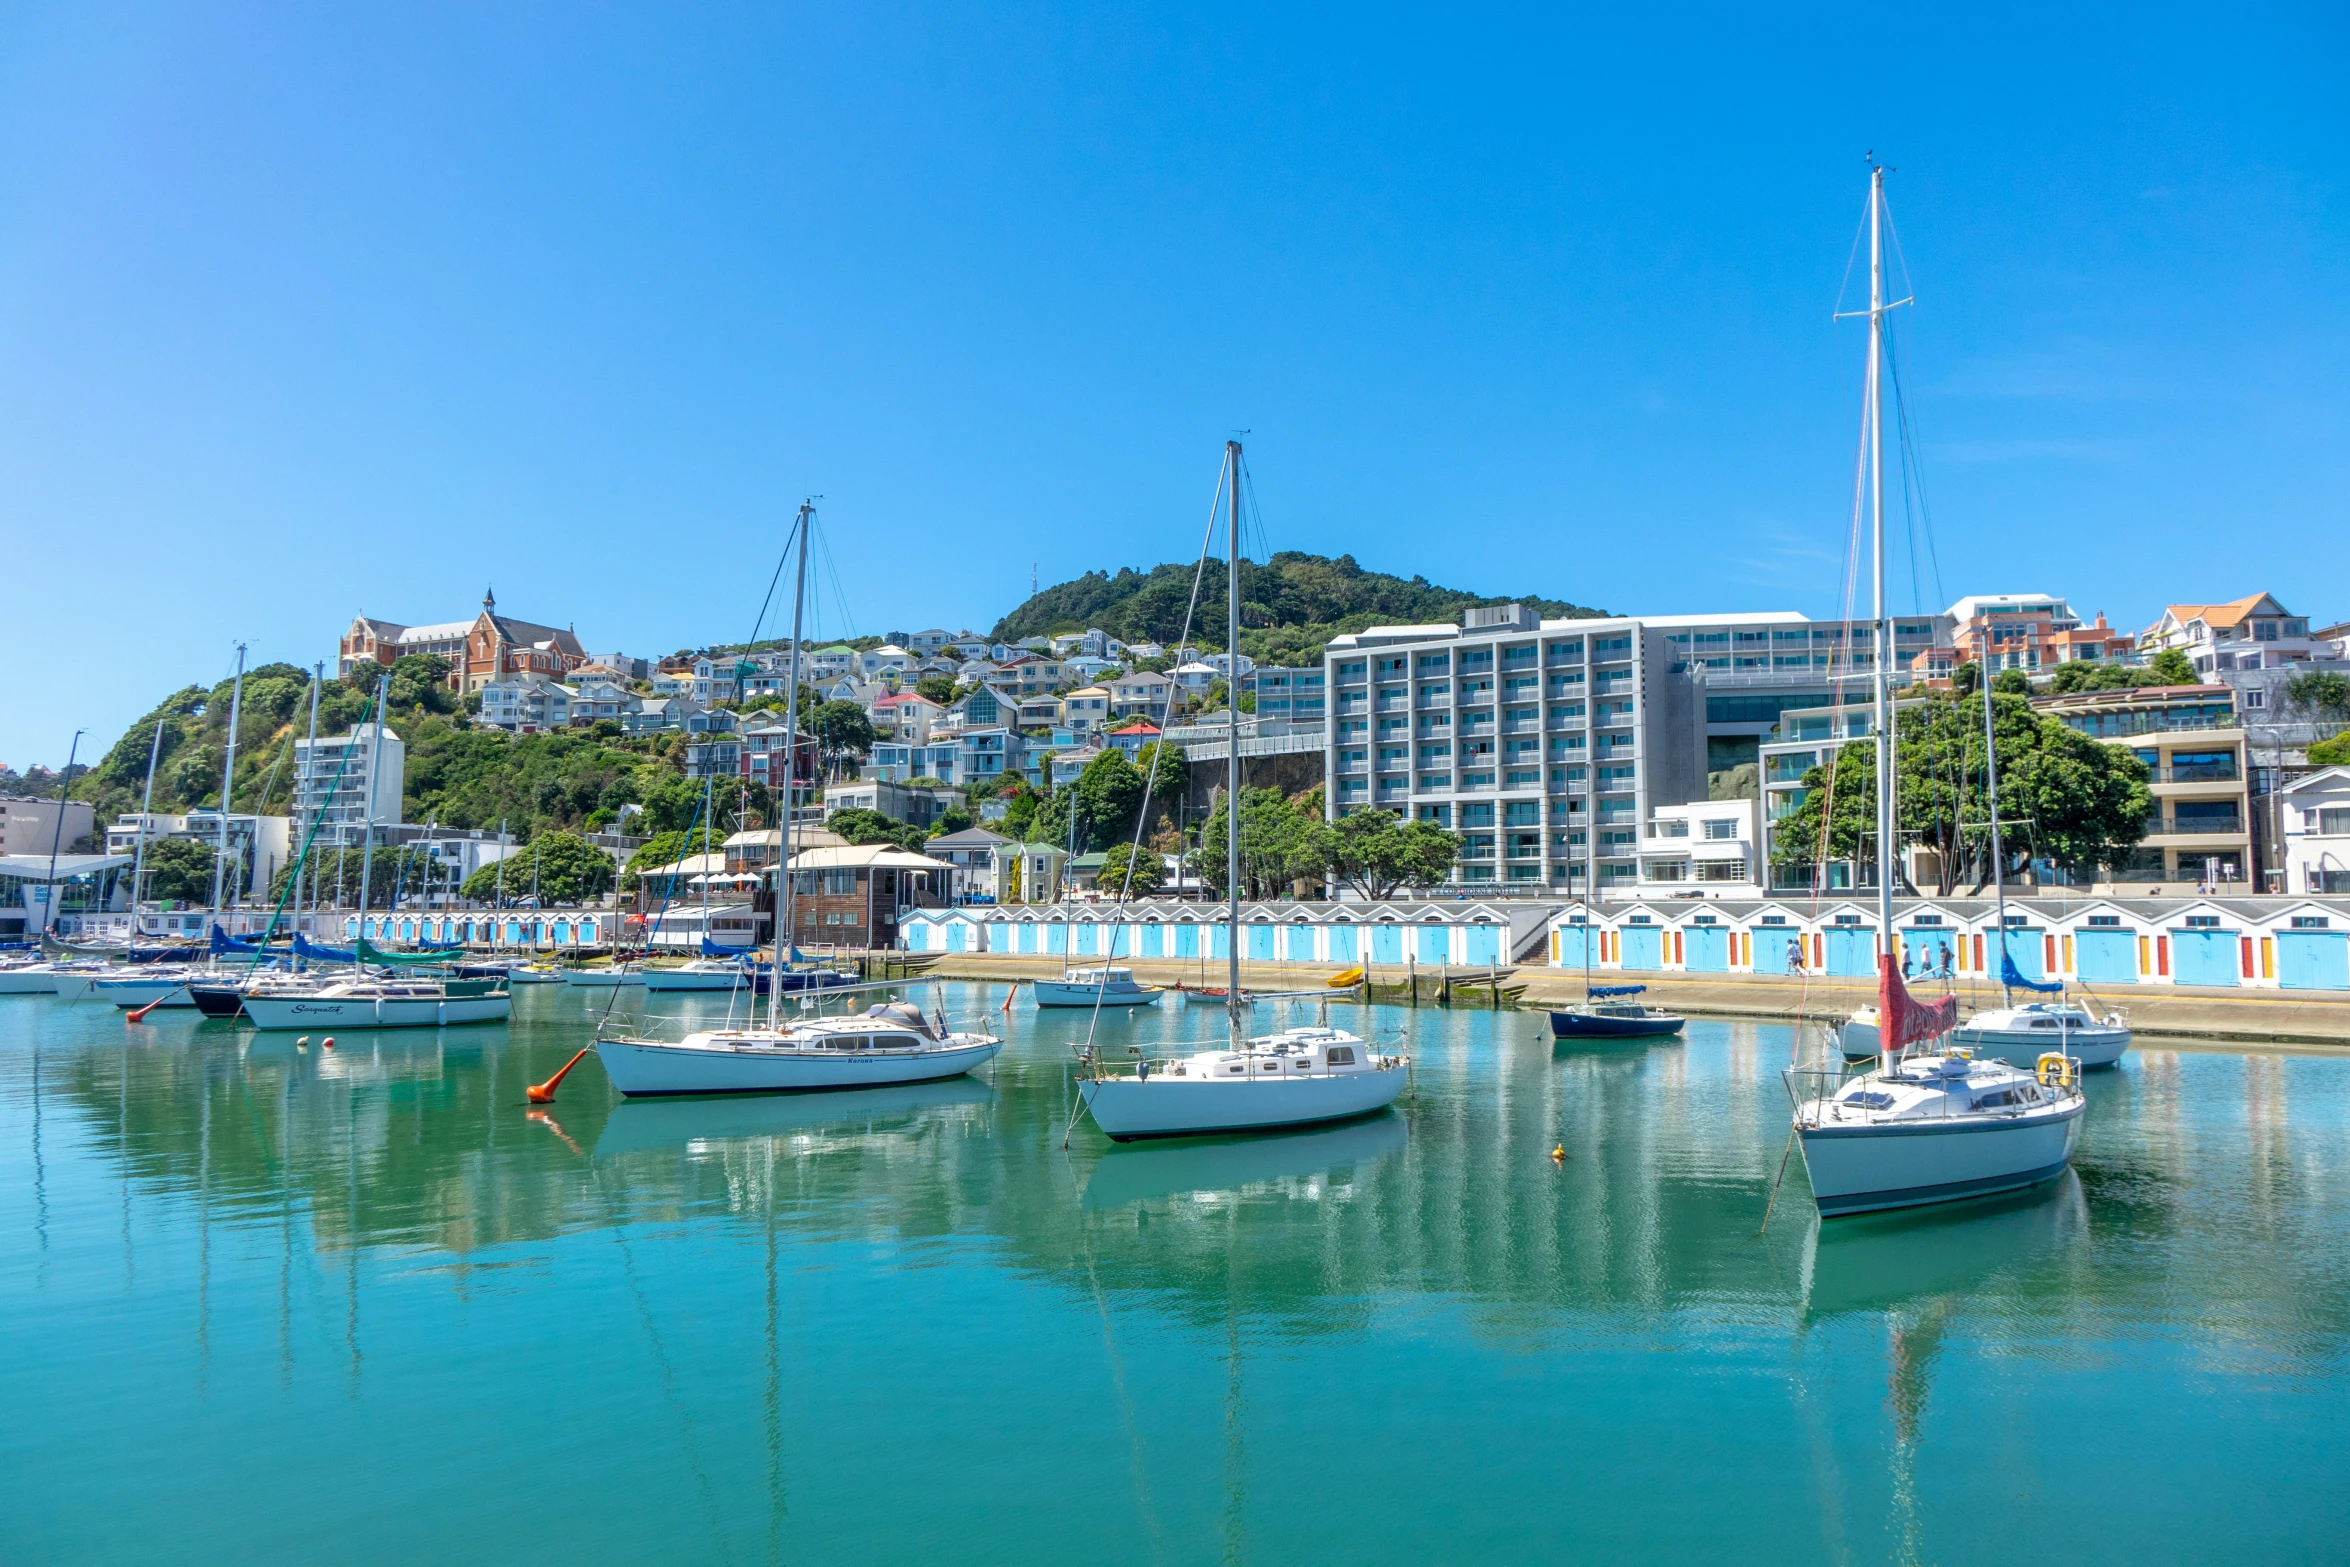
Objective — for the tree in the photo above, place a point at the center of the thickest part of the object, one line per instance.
(842, 729)
(1109, 796)
(179, 870)
(2012, 682)
(665, 848)
(2062, 795)
(863, 827)
(566, 868)
(1279, 843)
(420, 684)
(2332, 753)
(953, 819)
(1377, 852)
(2321, 693)
(1148, 876)
(2173, 669)
(938, 688)
(2081, 675)
(1966, 679)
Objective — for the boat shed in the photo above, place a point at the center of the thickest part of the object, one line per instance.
(1400, 934)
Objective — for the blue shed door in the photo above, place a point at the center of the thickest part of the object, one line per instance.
(1436, 944)
(955, 929)
(1154, 940)
(2313, 959)
(1187, 941)
(1852, 949)
(2027, 946)
(1300, 946)
(2106, 956)
(1641, 946)
(1485, 945)
(1219, 941)
(1571, 938)
(1056, 938)
(1387, 943)
(1260, 942)
(1705, 949)
(2203, 957)
(1342, 944)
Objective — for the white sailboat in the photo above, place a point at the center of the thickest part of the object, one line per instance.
(1109, 985)
(1938, 1125)
(1297, 1077)
(893, 1042)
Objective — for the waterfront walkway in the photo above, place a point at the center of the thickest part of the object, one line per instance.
(2175, 1012)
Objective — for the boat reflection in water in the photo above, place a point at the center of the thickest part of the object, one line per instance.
(1886, 1261)
(643, 1126)
(1143, 1172)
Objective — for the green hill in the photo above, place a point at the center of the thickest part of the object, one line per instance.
(1289, 606)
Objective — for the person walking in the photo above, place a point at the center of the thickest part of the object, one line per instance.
(1946, 960)
(1794, 954)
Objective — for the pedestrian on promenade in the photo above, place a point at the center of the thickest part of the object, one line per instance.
(1794, 955)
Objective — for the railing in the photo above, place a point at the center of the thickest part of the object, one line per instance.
(2114, 726)
(2201, 772)
(2196, 825)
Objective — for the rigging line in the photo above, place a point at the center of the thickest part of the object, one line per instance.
(1914, 470)
(764, 603)
(1150, 777)
(1850, 257)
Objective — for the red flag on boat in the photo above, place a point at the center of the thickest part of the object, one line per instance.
(1902, 1019)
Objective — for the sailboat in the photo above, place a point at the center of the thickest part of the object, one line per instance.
(893, 1042)
(1296, 1077)
(1608, 1011)
(1937, 1124)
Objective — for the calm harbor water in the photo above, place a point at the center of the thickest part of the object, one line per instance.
(264, 1305)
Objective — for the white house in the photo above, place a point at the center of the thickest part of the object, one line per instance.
(887, 659)
(1711, 848)
(525, 704)
(2317, 832)
(1196, 677)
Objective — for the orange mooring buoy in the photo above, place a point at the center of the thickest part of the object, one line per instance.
(544, 1093)
(139, 1014)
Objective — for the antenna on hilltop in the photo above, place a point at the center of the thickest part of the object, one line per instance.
(1032, 579)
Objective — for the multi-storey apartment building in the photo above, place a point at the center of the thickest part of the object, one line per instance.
(2200, 831)
(1297, 696)
(2031, 632)
(1548, 744)
(345, 782)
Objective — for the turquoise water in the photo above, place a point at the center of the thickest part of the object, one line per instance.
(264, 1305)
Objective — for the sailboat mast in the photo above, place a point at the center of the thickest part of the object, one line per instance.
(1887, 847)
(374, 784)
(139, 851)
(228, 773)
(1232, 1000)
(1998, 859)
(317, 680)
(791, 770)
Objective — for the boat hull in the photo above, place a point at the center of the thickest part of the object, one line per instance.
(598, 978)
(28, 982)
(217, 1000)
(73, 987)
(1869, 1167)
(672, 979)
(646, 1069)
(1055, 993)
(130, 993)
(2093, 1047)
(279, 1012)
(1127, 1108)
(1580, 1025)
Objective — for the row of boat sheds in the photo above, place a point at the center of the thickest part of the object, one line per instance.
(2256, 943)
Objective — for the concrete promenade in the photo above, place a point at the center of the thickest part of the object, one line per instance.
(2174, 1014)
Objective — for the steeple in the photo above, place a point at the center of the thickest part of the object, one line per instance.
(489, 600)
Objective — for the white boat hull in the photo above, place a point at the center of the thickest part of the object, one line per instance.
(1126, 1108)
(130, 993)
(73, 987)
(1057, 993)
(28, 982)
(523, 976)
(2097, 1046)
(277, 1012)
(1864, 1167)
(598, 978)
(646, 1068)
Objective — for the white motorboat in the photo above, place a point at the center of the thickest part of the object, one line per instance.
(42, 979)
(166, 983)
(604, 978)
(384, 1003)
(72, 982)
(1294, 1078)
(535, 974)
(701, 974)
(2020, 1036)
(1085, 987)
(891, 1043)
(1936, 1128)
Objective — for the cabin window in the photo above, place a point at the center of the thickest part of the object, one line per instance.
(1341, 1055)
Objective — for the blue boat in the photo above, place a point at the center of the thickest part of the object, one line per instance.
(1605, 1014)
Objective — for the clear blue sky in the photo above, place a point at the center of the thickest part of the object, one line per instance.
(309, 310)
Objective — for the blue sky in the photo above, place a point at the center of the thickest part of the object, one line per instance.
(307, 311)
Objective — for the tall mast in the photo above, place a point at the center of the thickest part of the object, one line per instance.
(317, 679)
(1232, 1000)
(228, 773)
(1887, 847)
(146, 804)
(57, 837)
(791, 766)
(375, 760)
(1998, 860)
